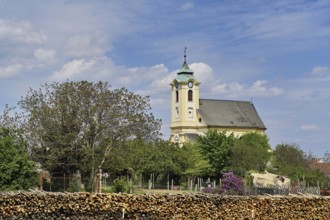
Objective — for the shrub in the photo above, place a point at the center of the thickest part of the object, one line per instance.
(232, 184)
(120, 185)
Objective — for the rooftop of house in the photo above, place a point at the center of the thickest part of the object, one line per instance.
(317, 164)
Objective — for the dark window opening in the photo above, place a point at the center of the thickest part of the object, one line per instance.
(190, 95)
(177, 96)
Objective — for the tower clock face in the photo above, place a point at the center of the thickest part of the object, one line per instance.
(190, 84)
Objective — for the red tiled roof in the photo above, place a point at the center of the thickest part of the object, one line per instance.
(323, 167)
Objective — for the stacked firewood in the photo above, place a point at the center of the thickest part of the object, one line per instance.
(37, 205)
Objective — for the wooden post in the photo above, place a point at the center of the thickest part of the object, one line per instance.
(41, 180)
(99, 181)
(168, 181)
(220, 184)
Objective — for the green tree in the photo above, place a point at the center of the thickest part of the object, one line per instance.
(158, 157)
(250, 152)
(17, 170)
(290, 160)
(162, 158)
(215, 146)
(192, 161)
(76, 126)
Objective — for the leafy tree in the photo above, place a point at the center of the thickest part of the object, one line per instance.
(17, 170)
(149, 157)
(215, 146)
(76, 126)
(192, 161)
(161, 158)
(290, 160)
(250, 152)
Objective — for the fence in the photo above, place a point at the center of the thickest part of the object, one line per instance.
(62, 184)
(255, 190)
(75, 184)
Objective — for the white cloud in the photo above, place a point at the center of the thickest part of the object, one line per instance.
(236, 87)
(320, 71)
(220, 88)
(10, 71)
(82, 46)
(45, 56)
(155, 75)
(258, 89)
(187, 6)
(71, 69)
(151, 79)
(309, 127)
(20, 32)
(202, 71)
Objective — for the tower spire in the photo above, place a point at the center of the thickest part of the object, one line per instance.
(185, 68)
(185, 54)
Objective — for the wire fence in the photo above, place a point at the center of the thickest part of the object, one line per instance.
(76, 184)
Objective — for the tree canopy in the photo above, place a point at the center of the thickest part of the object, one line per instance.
(75, 126)
(289, 160)
(17, 170)
(250, 152)
(216, 147)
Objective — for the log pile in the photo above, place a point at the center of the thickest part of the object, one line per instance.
(35, 205)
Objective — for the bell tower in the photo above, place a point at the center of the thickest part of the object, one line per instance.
(184, 103)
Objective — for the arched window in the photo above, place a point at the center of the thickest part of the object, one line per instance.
(177, 96)
(190, 95)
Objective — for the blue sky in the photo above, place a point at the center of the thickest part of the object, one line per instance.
(276, 53)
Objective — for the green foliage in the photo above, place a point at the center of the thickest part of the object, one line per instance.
(161, 158)
(120, 186)
(17, 171)
(289, 160)
(79, 126)
(150, 157)
(215, 146)
(192, 161)
(74, 185)
(250, 152)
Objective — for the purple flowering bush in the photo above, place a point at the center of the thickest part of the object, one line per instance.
(231, 184)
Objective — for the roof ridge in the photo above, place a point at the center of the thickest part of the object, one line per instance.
(226, 100)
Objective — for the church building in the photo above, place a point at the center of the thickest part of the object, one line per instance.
(192, 116)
